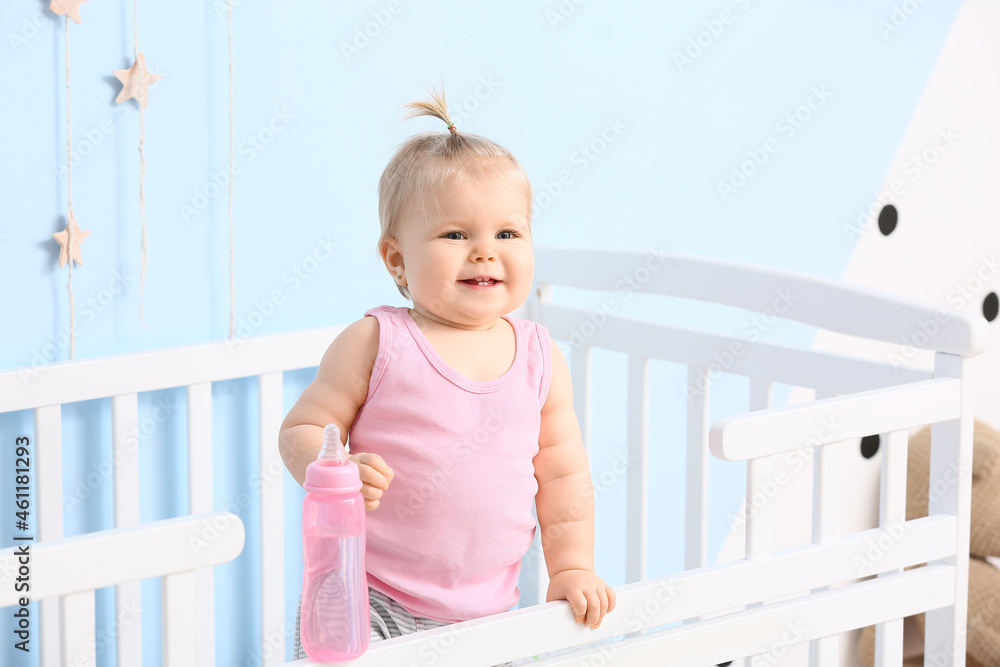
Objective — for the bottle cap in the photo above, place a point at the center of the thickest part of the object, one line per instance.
(332, 471)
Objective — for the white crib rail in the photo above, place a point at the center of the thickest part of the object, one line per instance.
(818, 301)
(172, 549)
(872, 397)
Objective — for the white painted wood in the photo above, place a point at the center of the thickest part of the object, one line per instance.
(766, 630)
(550, 627)
(784, 429)
(86, 379)
(892, 516)
(827, 475)
(800, 297)
(199, 432)
(580, 373)
(780, 363)
(272, 548)
(827, 486)
(47, 449)
(127, 554)
(638, 475)
(78, 629)
(951, 468)
(125, 455)
(696, 491)
(180, 598)
(760, 472)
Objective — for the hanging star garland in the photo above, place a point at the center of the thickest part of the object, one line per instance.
(70, 8)
(70, 239)
(135, 81)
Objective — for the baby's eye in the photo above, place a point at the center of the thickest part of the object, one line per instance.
(511, 234)
(455, 236)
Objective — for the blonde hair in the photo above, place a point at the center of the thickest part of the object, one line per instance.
(425, 162)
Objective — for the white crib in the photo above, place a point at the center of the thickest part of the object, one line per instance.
(756, 606)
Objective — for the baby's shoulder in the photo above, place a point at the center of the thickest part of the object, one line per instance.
(360, 336)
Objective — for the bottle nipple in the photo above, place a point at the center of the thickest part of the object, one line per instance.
(332, 453)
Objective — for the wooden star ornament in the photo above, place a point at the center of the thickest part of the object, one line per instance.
(70, 239)
(135, 81)
(70, 8)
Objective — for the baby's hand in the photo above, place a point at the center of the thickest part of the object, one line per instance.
(375, 477)
(587, 594)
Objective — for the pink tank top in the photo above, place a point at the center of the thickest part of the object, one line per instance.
(447, 538)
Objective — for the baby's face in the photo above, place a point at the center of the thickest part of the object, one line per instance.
(472, 232)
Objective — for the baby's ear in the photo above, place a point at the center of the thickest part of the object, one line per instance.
(985, 451)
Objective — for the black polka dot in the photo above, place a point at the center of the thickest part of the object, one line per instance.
(887, 219)
(990, 306)
(869, 445)
(724, 664)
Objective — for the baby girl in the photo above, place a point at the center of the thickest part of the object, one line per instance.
(458, 415)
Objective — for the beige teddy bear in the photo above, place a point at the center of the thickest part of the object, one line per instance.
(983, 636)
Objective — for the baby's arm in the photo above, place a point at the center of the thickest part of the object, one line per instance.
(565, 504)
(340, 388)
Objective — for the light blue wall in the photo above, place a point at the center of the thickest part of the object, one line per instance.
(542, 82)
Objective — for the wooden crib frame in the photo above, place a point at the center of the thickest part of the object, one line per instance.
(714, 613)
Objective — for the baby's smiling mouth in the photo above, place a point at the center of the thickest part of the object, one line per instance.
(484, 281)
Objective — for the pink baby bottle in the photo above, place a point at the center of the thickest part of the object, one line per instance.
(335, 623)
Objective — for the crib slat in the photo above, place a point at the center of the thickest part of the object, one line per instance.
(827, 484)
(179, 624)
(48, 495)
(638, 457)
(579, 370)
(199, 428)
(759, 472)
(892, 515)
(78, 629)
(951, 444)
(125, 448)
(272, 551)
(696, 492)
